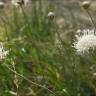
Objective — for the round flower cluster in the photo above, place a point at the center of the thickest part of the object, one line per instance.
(85, 41)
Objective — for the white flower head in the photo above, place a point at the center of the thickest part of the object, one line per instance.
(85, 40)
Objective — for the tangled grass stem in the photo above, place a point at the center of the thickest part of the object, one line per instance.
(25, 78)
(91, 19)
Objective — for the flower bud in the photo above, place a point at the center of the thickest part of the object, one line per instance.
(51, 15)
(86, 4)
(1, 4)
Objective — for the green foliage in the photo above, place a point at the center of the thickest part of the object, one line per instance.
(32, 54)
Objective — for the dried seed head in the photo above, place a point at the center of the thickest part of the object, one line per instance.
(51, 15)
(86, 4)
(19, 2)
(1, 4)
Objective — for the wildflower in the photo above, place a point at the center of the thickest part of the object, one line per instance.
(51, 15)
(86, 41)
(19, 2)
(86, 4)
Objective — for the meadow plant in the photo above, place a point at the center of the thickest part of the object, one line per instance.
(35, 64)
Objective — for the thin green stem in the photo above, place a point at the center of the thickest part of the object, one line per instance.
(30, 80)
(91, 19)
(5, 27)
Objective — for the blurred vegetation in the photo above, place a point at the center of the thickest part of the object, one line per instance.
(35, 64)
